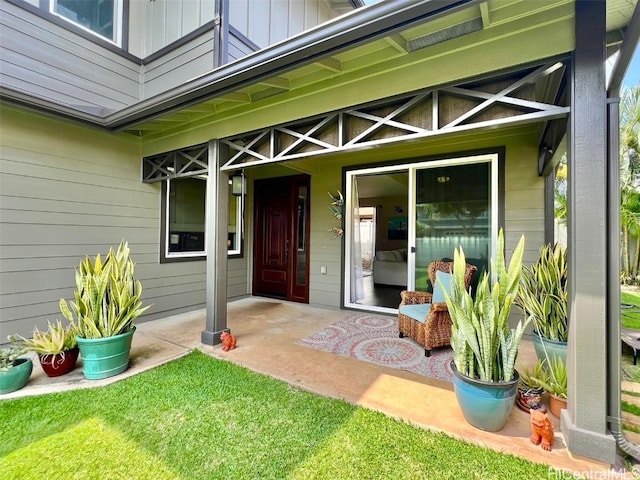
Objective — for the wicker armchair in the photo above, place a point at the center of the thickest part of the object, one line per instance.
(434, 330)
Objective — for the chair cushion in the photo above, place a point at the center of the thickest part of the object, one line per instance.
(418, 312)
(446, 279)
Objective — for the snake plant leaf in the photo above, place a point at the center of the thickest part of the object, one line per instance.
(484, 345)
(107, 297)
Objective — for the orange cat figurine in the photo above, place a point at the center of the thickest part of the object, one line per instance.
(541, 429)
(228, 341)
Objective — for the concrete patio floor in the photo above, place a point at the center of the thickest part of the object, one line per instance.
(267, 331)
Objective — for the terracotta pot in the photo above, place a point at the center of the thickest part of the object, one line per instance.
(59, 363)
(556, 404)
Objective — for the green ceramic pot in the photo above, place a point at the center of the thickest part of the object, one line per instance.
(17, 376)
(105, 357)
(553, 348)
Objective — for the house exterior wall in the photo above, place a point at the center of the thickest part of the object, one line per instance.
(48, 61)
(41, 58)
(523, 197)
(266, 23)
(179, 65)
(67, 191)
(154, 25)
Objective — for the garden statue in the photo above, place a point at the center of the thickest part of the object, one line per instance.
(228, 341)
(541, 429)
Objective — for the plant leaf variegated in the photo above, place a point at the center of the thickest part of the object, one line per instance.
(57, 339)
(107, 299)
(484, 346)
(544, 293)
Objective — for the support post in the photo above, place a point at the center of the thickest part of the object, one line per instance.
(217, 211)
(584, 422)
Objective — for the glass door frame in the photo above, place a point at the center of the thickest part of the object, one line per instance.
(412, 168)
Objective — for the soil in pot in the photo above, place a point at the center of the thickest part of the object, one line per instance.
(59, 363)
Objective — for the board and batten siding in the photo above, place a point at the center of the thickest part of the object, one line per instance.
(67, 191)
(43, 59)
(268, 22)
(156, 24)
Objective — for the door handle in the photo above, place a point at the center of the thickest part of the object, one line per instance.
(413, 249)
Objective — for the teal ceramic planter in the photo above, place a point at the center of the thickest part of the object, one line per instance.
(485, 405)
(17, 376)
(553, 348)
(105, 357)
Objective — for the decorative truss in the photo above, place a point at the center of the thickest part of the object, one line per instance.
(188, 162)
(496, 102)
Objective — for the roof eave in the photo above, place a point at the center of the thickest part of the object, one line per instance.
(346, 32)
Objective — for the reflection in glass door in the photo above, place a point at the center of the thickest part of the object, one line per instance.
(423, 211)
(452, 209)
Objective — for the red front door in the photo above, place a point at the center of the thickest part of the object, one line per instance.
(281, 238)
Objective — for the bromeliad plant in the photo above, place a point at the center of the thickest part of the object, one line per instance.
(57, 339)
(107, 297)
(484, 346)
(544, 293)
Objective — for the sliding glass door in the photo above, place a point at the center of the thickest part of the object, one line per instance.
(415, 213)
(453, 208)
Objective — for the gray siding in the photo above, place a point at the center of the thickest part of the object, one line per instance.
(156, 24)
(41, 58)
(67, 191)
(268, 22)
(45, 60)
(237, 47)
(179, 65)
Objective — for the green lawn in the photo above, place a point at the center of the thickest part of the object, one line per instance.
(202, 418)
(631, 316)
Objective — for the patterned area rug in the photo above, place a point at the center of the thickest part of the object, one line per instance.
(375, 339)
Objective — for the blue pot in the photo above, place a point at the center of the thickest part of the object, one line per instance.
(485, 405)
(553, 348)
(105, 357)
(17, 376)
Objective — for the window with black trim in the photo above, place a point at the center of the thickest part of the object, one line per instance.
(185, 204)
(99, 17)
(183, 174)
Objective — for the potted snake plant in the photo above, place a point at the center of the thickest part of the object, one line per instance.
(56, 347)
(484, 347)
(106, 304)
(544, 296)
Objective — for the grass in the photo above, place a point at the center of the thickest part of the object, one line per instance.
(202, 418)
(631, 317)
(630, 408)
